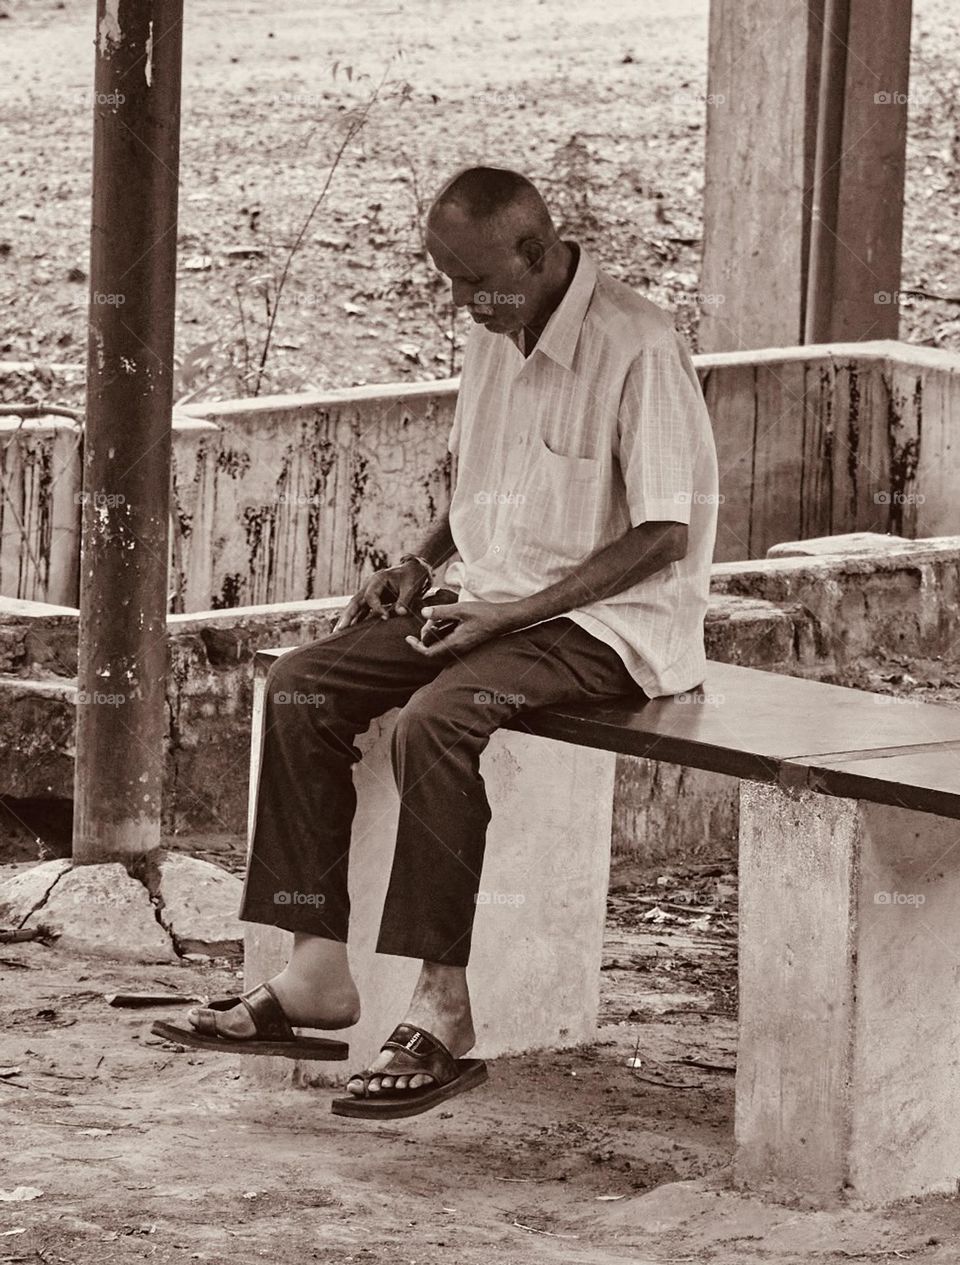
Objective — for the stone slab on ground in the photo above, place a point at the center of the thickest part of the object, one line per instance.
(199, 904)
(21, 894)
(101, 909)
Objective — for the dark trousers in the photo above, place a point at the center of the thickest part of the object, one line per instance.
(320, 696)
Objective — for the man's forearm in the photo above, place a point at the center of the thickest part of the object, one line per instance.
(637, 554)
(438, 546)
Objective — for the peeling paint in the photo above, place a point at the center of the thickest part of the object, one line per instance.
(109, 34)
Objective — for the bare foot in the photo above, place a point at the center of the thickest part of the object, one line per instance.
(440, 1006)
(315, 990)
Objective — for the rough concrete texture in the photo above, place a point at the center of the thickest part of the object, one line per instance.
(543, 892)
(37, 639)
(198, 906)
(888, 602)
(24, 892)
(851, 542)
(849, 1031)
(37, 738)
(289, 497)
(797, 862)
(101, 909)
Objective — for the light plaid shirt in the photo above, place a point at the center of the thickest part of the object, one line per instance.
(601, 428)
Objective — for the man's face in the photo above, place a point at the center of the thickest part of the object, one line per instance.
(493, 282)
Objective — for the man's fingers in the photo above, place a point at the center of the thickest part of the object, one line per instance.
(350, 614)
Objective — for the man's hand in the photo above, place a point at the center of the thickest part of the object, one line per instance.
(391, 591)
(476, 622)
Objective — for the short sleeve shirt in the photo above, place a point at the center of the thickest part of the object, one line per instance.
(602, 427)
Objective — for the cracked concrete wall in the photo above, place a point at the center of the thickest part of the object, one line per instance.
(292, 498)
(287, 498)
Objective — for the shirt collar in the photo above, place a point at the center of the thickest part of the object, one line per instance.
(562, 332)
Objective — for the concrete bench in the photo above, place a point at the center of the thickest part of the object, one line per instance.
(848, 1072)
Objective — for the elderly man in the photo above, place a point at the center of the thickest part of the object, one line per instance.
(583, 523)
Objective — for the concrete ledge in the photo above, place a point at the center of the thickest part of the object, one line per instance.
(799, 616)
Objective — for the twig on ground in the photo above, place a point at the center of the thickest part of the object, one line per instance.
(532, 1229)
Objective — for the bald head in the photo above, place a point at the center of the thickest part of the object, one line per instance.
(502, 204)
(490, 232)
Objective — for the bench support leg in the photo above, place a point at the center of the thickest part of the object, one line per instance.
(848, 1073)
(534, 971)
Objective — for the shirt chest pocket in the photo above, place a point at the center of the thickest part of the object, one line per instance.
(562, 502)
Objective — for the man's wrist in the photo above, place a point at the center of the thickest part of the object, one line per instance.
(415, 557)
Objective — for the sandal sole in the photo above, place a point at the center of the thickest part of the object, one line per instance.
(312, 1048)
(396, 1105)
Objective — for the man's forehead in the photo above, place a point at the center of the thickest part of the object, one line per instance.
(459, 244)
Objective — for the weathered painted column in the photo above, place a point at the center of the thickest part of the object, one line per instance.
(848, 1068)
(534, 971)
(125, 498)
(803, 196)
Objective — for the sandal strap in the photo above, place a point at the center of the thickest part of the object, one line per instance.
(418, 1052)
(267, 1014)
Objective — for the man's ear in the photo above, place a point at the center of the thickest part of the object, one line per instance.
(532, 250)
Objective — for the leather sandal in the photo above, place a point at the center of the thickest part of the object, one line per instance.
(274, 1035)
(416, 1053)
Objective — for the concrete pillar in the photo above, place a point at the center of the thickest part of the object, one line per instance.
(534, 973)
(775, 274)
(847, 1073)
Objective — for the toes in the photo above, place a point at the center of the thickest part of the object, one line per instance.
(355, 1085)
(420, 1081)
(387, 1082)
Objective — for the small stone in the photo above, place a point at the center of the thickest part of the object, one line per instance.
(199, 904)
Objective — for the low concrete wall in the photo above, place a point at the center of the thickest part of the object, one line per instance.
(287, 498)
(801, 616)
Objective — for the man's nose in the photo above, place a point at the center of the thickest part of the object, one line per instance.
(463, 293)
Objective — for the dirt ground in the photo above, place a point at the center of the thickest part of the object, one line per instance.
(601, 104)
(616, 1152)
